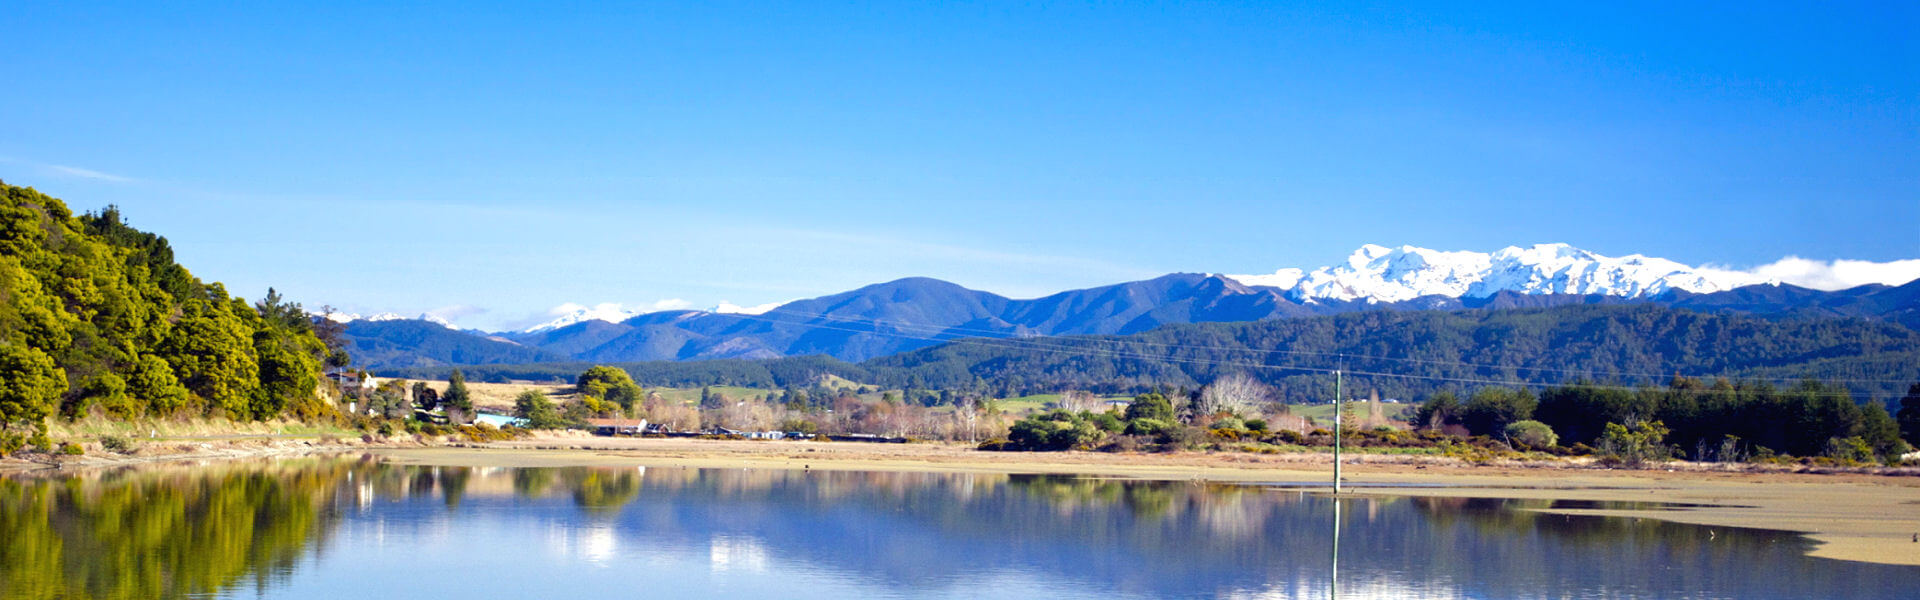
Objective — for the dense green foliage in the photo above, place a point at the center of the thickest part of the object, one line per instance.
(96, 317)
(1635, 443)
(1910, 415)
(539, 411)
(1415, 352)
(604, 384)
(1491, 409)
(457, 396)
(1150, 415)
(1532, 434)
(1723, 421)
(1054, 430)
(1798, 420)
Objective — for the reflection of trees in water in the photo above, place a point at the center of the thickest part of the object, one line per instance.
(1642, 553)
(160, 534)
(1182, 538)
(532, 483)
(171, 533)
(601, 491)
(453, 484)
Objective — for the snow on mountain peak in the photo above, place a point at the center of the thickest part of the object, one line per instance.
(337, 317)
(1380, 274)
(570, 313)
(729, 308)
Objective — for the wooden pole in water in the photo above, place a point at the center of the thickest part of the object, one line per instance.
(1337, 404)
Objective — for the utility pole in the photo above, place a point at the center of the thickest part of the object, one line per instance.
(1337, 406)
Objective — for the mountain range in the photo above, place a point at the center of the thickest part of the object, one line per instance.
(907, 314)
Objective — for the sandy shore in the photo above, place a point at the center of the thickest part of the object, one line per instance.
(1860, 517)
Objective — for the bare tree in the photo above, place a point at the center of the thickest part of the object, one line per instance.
(967, 413)
(1075, 401)
(1236, 393)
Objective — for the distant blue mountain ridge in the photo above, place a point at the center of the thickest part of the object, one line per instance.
(917, 312)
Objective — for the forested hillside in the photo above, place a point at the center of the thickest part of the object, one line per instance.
(1401, 354)
(1406, 354)
(414, 343)
(95, 316)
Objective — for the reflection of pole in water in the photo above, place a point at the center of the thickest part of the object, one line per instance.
(1333, 579)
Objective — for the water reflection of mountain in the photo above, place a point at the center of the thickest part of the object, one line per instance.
(196, 531)
(917, 531)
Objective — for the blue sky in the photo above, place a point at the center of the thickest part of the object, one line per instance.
(510, 158)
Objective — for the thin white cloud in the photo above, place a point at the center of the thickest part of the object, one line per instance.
(670, 304)
(455, 313)
(67, 171)
(87, 174)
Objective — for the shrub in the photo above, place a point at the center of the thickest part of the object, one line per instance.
(1126, 443)
(1147, 427)
(1182, 437)
(488, 433)
(71, 449)
(1633, 446)
(1053, 430)
(1467, 452)
(538, 410)
(1532, 434)
(1257, 425)
(1852, 451)
(116, 444)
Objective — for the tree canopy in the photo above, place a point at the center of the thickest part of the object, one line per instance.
(95, 316)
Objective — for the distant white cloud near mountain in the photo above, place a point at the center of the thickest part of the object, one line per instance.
(1838, 274)
(455, 312)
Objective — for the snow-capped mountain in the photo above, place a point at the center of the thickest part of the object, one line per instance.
(347, 317)
(568, 314)
(1381, 274)
(729, 308)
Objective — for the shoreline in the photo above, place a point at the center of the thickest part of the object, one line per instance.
(1848, 516)
(1855, 516)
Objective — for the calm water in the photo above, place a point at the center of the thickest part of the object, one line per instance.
(353, 528)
